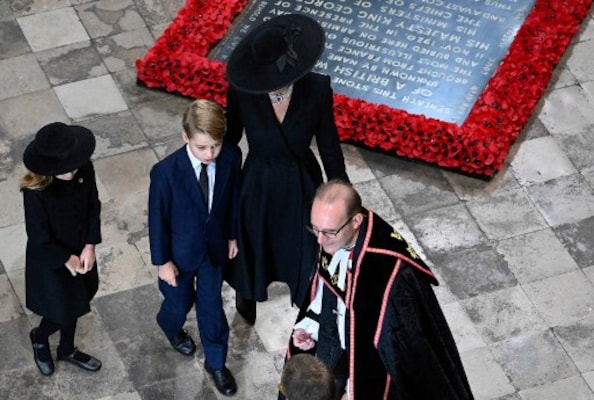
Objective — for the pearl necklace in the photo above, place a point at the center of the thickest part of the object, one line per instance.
(279, 97)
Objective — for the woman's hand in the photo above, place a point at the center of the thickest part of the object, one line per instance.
(232, 249)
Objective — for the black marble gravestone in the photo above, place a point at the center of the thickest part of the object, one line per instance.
(431, 57)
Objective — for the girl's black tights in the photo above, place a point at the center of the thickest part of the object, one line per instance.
(47, 328)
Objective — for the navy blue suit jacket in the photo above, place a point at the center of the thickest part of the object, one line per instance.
(180, 227)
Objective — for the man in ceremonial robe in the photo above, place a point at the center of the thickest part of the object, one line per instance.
(371, 314)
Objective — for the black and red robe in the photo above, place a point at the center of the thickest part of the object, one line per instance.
(399, 344)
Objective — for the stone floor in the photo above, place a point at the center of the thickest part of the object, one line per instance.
(515, 256)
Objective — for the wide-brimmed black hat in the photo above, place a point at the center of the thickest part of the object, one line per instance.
(59, 148)
(275, 54)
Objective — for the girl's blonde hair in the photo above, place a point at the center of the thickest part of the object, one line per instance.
(33, 181)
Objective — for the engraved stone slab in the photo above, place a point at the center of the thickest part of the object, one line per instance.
(430, 57)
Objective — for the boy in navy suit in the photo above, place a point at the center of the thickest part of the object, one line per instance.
(193, 203)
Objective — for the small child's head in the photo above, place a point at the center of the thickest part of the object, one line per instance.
(306, 377)
(57, 150)
(204, 127)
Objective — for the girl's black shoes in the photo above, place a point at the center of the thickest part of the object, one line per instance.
(42, 354)
(81, 360)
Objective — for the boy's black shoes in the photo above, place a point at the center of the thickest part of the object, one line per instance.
(183, 343)
(42, 355)
(246, 308)
(81, 360)
(223, 380)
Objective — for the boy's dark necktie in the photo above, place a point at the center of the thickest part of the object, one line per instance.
(204, 181)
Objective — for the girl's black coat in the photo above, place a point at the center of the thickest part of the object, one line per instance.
(59, 221)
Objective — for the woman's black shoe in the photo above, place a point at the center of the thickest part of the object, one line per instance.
(246, 308)
(80, 359)
(42, 354)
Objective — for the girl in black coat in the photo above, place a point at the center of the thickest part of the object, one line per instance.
(62, 210)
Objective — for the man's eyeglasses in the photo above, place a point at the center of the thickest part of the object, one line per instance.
(328, 234)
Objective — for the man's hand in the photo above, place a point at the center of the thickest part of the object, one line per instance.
(303, 340)
(168, 272)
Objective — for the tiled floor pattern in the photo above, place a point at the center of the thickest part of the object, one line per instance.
(514, 255)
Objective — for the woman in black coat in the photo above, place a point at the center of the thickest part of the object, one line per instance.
(62, 218)
(281, 106)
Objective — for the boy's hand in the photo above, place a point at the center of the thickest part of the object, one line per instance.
(232, 249)
(168, 273)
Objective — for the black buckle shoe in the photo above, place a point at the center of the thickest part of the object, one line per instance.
(81, 360)
(41, 349)
(183, 343)
(223, 380)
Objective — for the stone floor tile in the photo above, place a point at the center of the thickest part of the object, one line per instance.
(121, 268)
(579, 63)
(539, 160)
(504, 215)
(115, 134)
(503, 314)
(446, 230)
(155, 12)
(123, 396)
(72, 63)
(10, 307)
(161, 119)
(589, 89)
(15, 351)
(376, 200)
(21, 75)
(12, 41)
(577, 339)
(418, 190)
(486, 377)
(589, 272)
(274, 322)
(468, 188)
(574, 388)
(91, 97)
(53, 28)
(109, 17)
(11, 212)
(536, 255)
(578, 238)
(13, 237)
(563, 299)
(465, 333)
(564, 200)
(121, 50)
(579, 148)
(21, 123)
(589, 378)
(566, 110)
(356, 167)
(136, 94)
(29, 7)
(533, 360)
(472, 272)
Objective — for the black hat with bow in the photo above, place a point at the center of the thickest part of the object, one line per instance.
(275, 54)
